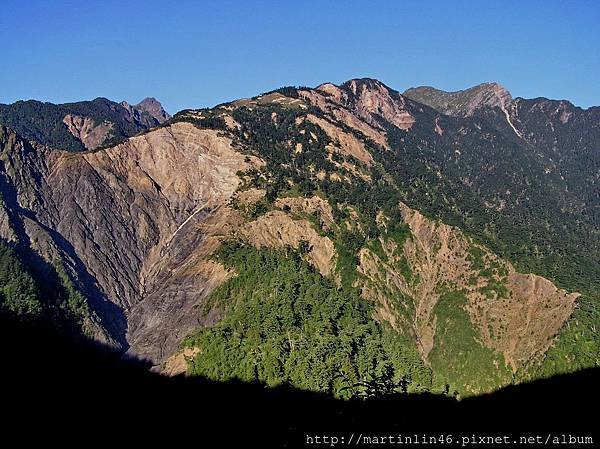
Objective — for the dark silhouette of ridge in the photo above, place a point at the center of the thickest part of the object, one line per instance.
(56, 387)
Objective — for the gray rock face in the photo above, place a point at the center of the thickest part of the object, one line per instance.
(146, 114)
(126, 221)
(153, 107)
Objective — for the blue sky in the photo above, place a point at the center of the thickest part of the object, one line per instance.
(200, 53)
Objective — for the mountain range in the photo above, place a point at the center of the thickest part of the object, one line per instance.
(346, 239)
(85, 125)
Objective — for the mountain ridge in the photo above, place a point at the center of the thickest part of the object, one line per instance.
(368, 191)
(84, 125)
(463, 102)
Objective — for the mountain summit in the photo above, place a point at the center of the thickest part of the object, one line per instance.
(153, 107)
(462, 103)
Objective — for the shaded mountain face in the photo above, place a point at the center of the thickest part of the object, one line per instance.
(84, 125)
(153, 107)
(344, 239)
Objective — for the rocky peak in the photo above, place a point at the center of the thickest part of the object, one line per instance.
(365, 84)
(153, 107)
(491, 95)
(149, 112)
(462, 103)
(370, 99)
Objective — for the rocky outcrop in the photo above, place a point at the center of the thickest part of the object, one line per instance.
(177, 363)
(153, 107)
(276, 230)
(84, 129)
(371, 98)
(343, 142)
(360, 104)
(128, 217)
(334, 104)
(146, 114)
(314, 205)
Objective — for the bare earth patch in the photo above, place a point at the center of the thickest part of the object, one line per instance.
(276, 229)
(521, 324)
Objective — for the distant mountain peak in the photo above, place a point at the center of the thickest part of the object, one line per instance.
(83, 125)
(367, 83)
(151, 106)
(490, 94)
(463, 102)
(354, 87)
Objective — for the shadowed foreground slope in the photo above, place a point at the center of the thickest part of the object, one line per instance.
(55, 387)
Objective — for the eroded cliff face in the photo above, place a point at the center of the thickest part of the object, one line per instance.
(358, 104)
(373, 98)
(124, 216)
(276, 230)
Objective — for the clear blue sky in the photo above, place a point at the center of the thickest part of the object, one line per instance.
(199, 53)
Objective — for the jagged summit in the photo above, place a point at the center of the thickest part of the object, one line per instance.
(355, 85)
(463, 102)
(365, 83)
(153, 107)
(370, 99)
(148, 110)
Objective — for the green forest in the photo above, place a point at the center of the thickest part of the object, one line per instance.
(285, 323)
(51, 299)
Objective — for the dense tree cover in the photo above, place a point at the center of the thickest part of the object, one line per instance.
(567, 138)
(285, 323)
(578, 345)
(54, 298)
(273, 140)
(446, 177)
(69, 303)
(470, 176)
(43, 122)
(500, 193)
(19, 295)
(492, 189)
